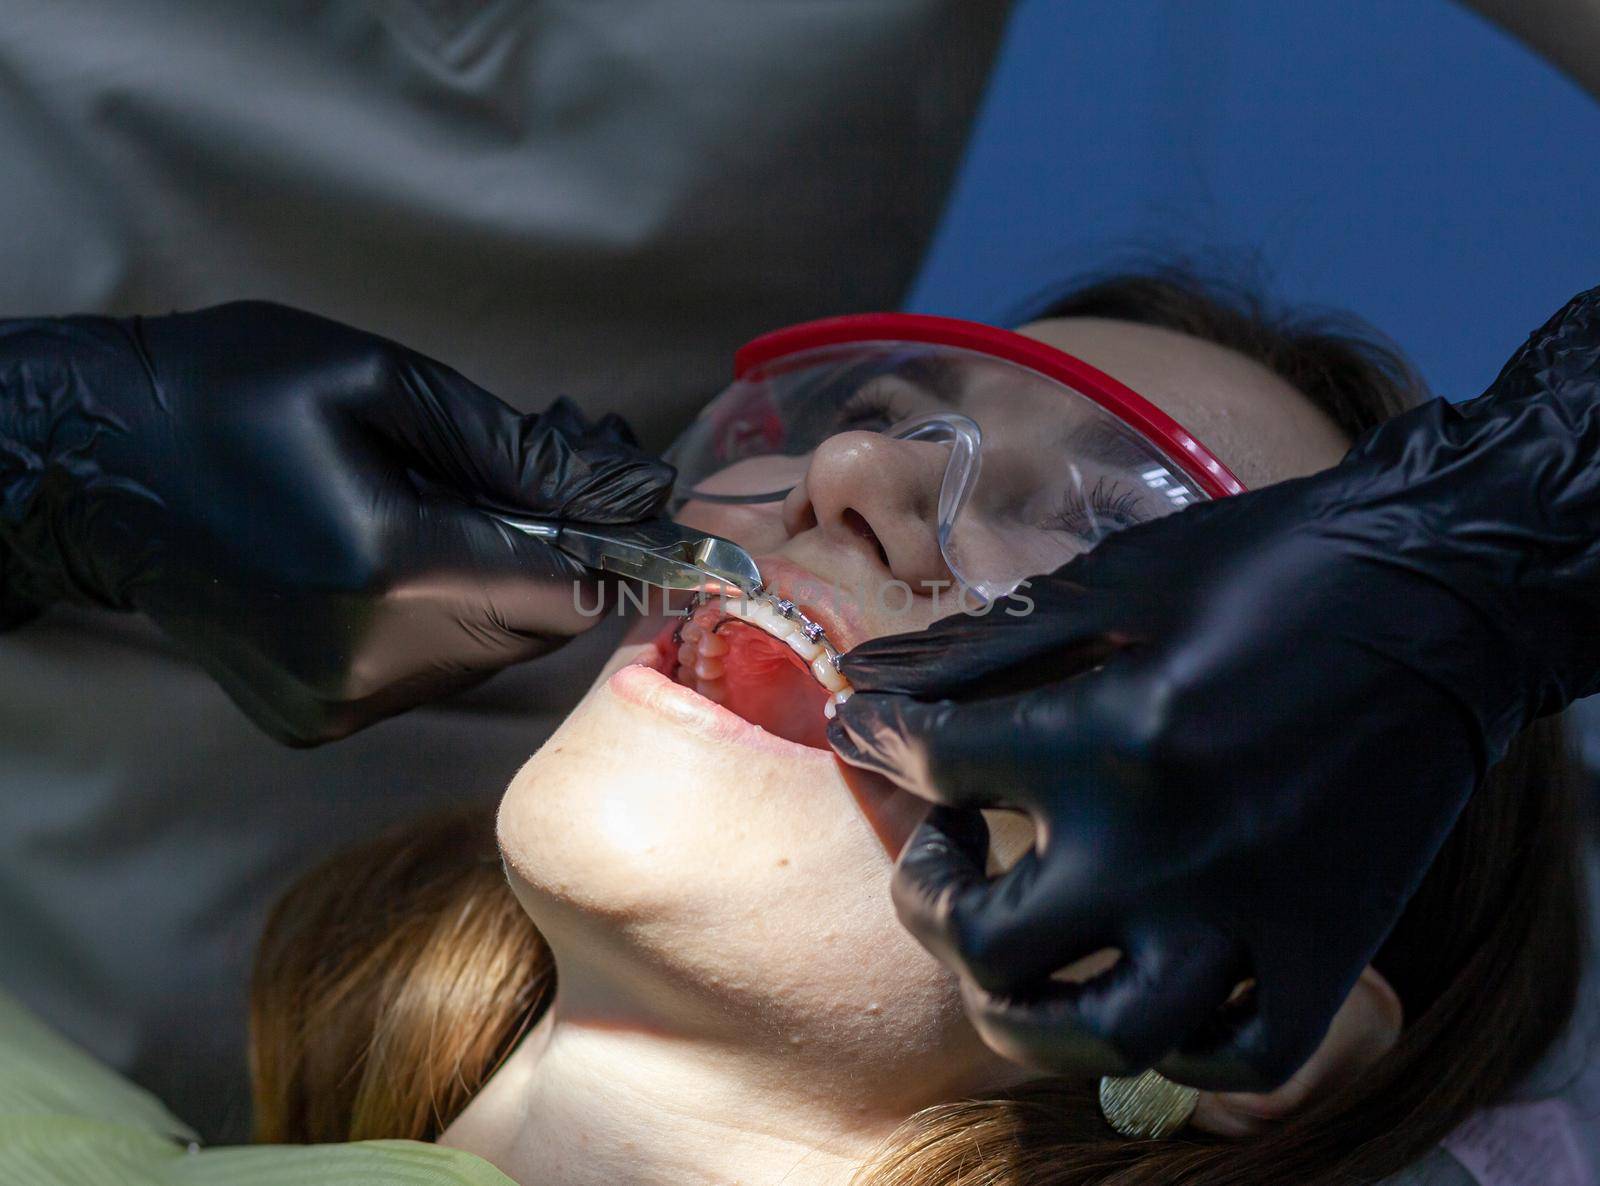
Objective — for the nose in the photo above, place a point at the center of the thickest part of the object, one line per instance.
(866, 489)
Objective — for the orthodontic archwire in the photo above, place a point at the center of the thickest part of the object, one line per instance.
(788, 610)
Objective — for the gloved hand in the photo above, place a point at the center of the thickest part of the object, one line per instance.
(1244, 730)
(288, 498)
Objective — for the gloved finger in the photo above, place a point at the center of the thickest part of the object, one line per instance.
(1005, 649)
(1559, 353)
(335, 719)
(874, 741)
(1001, 933)
(610, 484)
(1243, 1049)
(1365, 1028)
(611, 429)
(1121, 1021)
(275, 704)
(222, 629)
(454, 431)
(567, 418)
(433, 634)
(521, 587)
(1006, 751)
(305, 709)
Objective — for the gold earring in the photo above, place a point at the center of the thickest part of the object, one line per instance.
(1148, 1105)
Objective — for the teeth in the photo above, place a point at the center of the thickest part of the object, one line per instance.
(702, 647)
(831, 708)
(815, 651)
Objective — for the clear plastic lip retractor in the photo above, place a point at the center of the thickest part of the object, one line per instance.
(669, 556)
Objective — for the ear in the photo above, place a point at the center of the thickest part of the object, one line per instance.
(1363, 1031)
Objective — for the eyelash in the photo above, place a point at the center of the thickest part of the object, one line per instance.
(865, 406)
(1087, 515)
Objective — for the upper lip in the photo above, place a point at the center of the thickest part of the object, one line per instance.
(796, 583)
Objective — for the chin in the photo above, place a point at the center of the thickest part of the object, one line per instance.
(691, 869)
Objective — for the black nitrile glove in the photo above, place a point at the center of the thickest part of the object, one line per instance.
(288, 498)
(1243, 731)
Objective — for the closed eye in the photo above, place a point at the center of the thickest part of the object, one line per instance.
(1093, 513)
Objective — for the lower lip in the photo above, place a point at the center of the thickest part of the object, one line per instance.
(641, 683)
(644, 682)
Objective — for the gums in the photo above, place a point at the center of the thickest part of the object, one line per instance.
(749, 672)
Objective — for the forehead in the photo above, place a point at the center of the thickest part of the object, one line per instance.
(1263, 429)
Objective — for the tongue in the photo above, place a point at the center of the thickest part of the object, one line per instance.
(770, 686)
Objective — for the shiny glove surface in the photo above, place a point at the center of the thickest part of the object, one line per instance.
(1243, 731)
(288, 499)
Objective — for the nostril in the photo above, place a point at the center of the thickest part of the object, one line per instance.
(856, 522)
(798, 513)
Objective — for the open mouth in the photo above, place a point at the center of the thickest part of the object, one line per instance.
(757, 664)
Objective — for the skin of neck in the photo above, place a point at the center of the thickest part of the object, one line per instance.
(640, 1073)
(583, 1103)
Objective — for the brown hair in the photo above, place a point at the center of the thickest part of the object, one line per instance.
(394, 979)
(391, 982)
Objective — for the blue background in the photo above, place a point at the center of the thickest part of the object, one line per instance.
(1400, 159)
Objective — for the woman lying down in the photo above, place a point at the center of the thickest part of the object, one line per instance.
(682, 963)
(674, 957)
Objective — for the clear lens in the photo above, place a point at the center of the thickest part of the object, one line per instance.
(763, 478)
(1037, 473)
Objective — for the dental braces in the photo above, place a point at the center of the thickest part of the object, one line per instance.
(786, 609)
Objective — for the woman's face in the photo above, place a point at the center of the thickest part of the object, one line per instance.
(697, 872)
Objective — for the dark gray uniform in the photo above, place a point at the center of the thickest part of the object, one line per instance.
(568, 197)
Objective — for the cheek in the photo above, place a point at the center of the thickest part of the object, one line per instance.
(757, 529)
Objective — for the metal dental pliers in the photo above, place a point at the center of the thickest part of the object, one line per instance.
(658, 552)
(665, 554)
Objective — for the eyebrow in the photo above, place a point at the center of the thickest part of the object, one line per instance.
(1108, 440)
(937, 376)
